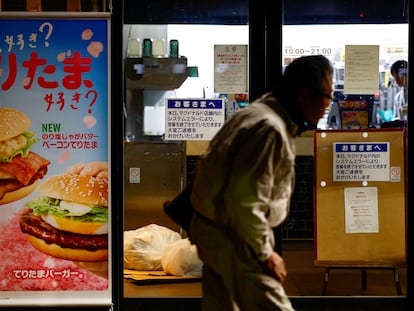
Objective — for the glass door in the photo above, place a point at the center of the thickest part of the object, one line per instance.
(337, 29)
(273, 34)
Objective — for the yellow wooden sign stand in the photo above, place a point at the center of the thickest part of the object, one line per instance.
(335, 246)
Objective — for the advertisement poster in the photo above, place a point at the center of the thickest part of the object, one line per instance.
(54, 147)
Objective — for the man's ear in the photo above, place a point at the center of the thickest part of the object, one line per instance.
(304, 97)
(306, 92)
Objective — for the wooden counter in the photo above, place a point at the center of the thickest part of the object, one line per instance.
(188, 290)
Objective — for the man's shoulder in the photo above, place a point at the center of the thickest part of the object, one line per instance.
(266, 98)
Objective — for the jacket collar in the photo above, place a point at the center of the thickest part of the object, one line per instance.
(292, 126)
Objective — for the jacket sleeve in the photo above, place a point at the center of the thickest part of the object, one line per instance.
(248, 194)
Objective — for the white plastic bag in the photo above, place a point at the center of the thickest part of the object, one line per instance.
(143, 247)
(180, 259)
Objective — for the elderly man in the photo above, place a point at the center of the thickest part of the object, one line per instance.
(242, 189)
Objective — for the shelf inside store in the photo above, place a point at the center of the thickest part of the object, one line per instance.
(152, 73)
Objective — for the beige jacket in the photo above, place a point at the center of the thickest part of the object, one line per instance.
(245, 179)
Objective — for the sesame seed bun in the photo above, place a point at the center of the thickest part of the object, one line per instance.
(77, 188)
(12, 123)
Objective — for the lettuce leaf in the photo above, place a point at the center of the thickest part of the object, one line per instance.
(30, 140)
(46, 205)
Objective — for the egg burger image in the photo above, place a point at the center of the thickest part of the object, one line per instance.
(70, 218)
(20, 168)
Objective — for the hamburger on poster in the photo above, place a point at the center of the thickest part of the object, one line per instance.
(20, 168)
(70, 218)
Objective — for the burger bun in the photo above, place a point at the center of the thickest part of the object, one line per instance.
(73, 254)
(12, 123)
(18, 194)
(76, 188)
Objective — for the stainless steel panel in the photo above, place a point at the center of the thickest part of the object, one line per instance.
(153, 173)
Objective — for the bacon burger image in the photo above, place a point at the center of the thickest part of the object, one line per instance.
(70, 218)
(20, 168)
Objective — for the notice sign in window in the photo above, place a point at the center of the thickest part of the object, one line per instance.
(356, 161)
(193, 119)
(230, 69)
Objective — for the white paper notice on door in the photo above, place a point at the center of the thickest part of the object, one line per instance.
(361, 210)
(230, 69)
(361, 69)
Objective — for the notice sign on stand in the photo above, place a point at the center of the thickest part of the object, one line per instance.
(193, 119)
(355, 161)
(360, 197)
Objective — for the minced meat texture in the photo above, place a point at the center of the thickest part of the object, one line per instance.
(17, 255)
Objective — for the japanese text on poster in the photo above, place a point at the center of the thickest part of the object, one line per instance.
(54, 109)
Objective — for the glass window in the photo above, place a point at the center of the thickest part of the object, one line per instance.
(330, 27)
(317, 27)
(155, 168)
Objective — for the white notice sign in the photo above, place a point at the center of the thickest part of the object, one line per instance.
(357, 161)
(230, 69)
(193, 118)
(361, 69)
(361, 210)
